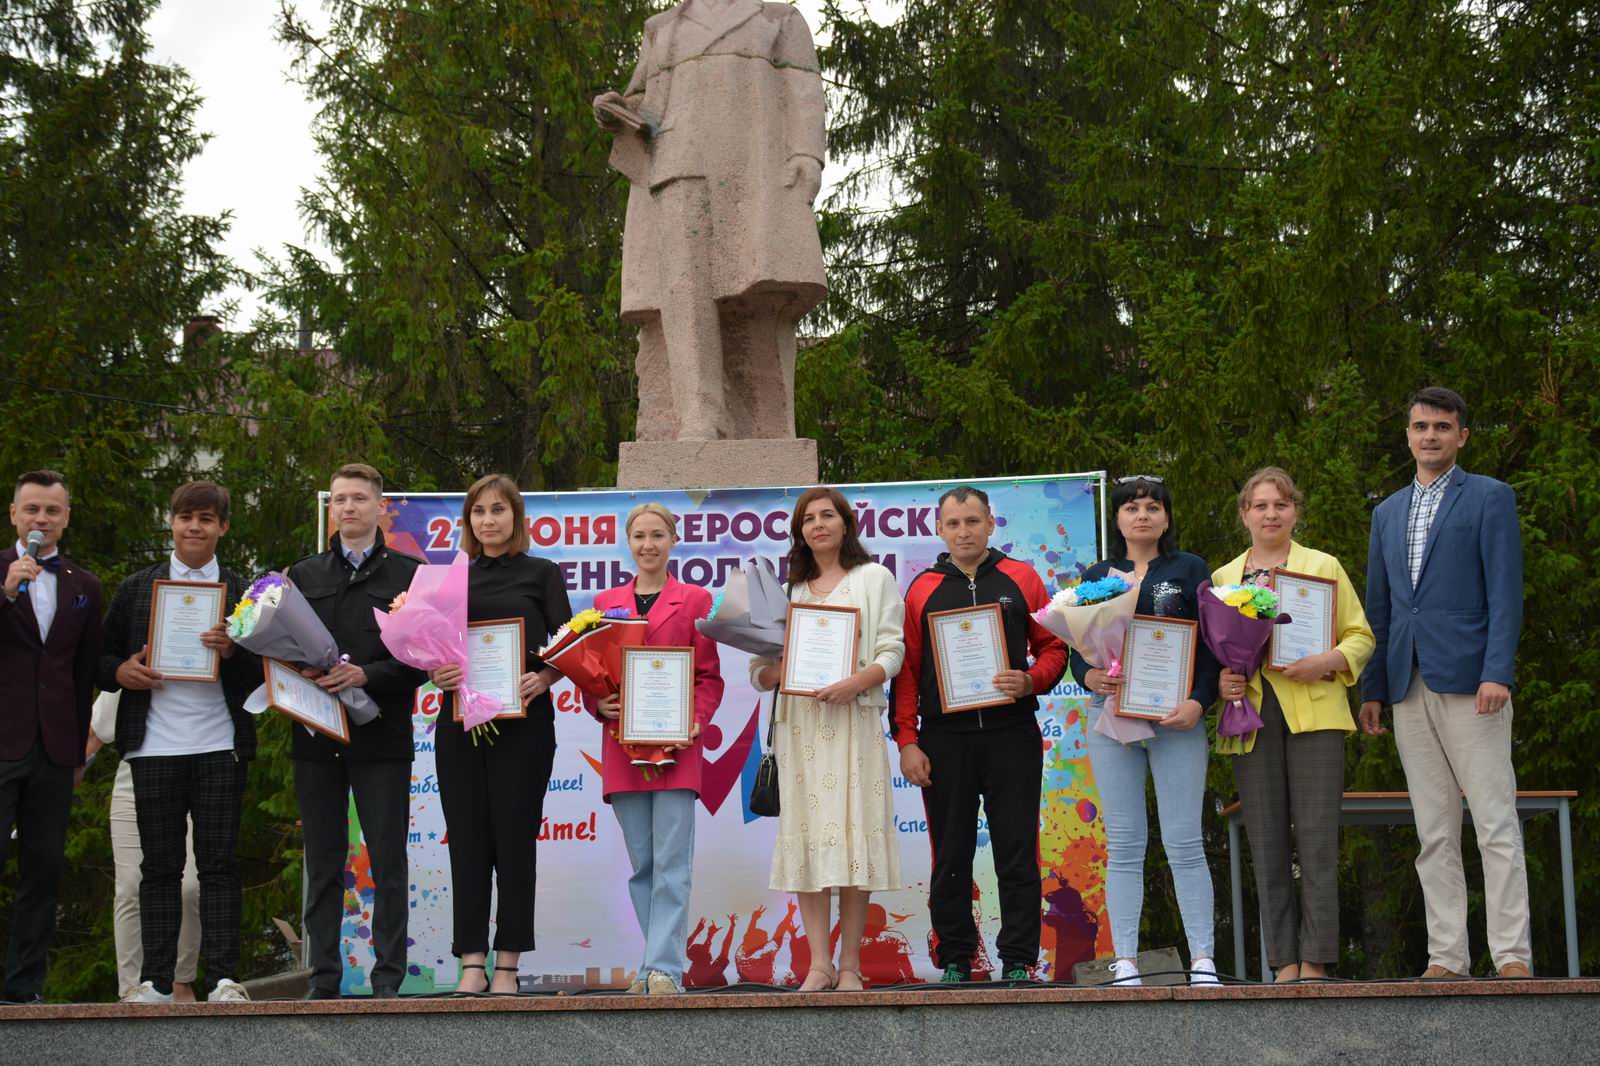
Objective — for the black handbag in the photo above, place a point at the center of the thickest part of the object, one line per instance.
(764, 793)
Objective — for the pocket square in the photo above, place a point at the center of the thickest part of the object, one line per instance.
(80, 602)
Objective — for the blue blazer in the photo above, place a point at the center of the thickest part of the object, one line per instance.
(1462, 621)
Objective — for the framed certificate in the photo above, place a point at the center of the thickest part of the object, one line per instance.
(1157, 665)
(301, 699)
(179, 612)
(819, 647)
(657, 695)
(969, 648)
(1312, 605)
(495, 657)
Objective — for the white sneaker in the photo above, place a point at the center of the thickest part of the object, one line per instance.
(660, 984)
(1203, 972)
(228, 991)
(146, 993)
(1125, 974)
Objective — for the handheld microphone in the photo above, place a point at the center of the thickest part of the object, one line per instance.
(35, 543)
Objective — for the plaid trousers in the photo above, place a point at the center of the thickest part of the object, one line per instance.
(168, 790)
(1294, 782)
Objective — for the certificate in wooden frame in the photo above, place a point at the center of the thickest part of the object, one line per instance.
(1287, 598)
(340, 733)
(625, 722)
(1128, 703)
(824, 614)
(188, 590)
(494, 630)
(936, 623)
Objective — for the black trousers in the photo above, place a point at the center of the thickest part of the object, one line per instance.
(167, 791)
(36, 798)
(1003, 767)
(382, 789)
(492, 796)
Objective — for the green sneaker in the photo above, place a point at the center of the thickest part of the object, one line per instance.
(955, 975)
(1018, 973)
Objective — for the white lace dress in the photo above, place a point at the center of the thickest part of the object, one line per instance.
(836, 805)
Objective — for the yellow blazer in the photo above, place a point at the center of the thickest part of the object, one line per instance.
(1319, 704)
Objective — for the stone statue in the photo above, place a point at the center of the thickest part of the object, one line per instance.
(721, 134)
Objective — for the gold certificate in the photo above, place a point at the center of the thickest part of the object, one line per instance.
(180, 611)
(1157, 666)
(1312, 606)
(819, 647)
(495, 658)
(301, 699)
(969, 648)
(657, 695)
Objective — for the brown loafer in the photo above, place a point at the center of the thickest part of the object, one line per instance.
(1439, 973)
(1515, 969)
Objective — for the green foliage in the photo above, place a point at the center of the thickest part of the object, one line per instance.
(477, 230)
(1189, 238)
(99, 270)
(1196, 238)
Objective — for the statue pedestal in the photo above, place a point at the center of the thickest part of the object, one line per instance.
(708, 464)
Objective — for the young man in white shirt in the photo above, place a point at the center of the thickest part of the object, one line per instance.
(189, 744)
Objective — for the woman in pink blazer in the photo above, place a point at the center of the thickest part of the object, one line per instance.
(655, 806)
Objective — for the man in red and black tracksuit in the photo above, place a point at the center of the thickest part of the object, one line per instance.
(994, 753)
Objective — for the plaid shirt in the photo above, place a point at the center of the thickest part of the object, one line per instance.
(1425, 500)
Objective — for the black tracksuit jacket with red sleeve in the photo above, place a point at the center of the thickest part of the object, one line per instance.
(943, 587)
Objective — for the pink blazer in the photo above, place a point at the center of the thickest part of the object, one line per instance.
(671, 622)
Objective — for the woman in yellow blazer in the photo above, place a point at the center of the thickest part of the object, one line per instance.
(1290, 772)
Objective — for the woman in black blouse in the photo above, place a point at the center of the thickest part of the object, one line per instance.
(492, 792)
(1144, 548)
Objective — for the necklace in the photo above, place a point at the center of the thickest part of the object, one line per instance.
(646, 600)
(1251, 562)
(972, 575)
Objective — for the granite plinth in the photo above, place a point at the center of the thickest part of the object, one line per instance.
(1411, 1023)
(709, 464)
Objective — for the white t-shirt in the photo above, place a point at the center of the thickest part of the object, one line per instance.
(187, 717)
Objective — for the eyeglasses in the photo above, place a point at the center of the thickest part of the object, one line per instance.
(1131, 478)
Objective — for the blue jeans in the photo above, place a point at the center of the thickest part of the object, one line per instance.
(1177, 758)
(658, 829)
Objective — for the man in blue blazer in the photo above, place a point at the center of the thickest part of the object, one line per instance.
(1444, 597)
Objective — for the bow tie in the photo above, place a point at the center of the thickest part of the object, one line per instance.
(52, 564)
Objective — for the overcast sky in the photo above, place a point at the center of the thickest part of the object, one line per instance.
(261, 154)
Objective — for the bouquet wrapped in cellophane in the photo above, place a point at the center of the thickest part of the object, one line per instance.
(274, 620)
(1236, 623)
(426, 627)
(1093, 617)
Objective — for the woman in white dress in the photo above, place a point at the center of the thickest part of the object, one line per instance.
(836, 810)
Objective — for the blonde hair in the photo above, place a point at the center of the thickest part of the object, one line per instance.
(657, 509)
(1277, 477)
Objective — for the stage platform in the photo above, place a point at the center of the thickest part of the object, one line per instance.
(1413, 1023)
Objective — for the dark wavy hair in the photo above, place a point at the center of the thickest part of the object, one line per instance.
(852, 553)
(1140, 489)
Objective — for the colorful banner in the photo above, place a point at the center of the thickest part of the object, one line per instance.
(739, 930)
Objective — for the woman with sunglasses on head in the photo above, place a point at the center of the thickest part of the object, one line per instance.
(1290, 772)
(1143, 548)
(654, 799)
(836, 819)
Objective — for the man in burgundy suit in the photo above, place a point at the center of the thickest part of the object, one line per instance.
(49, 642)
